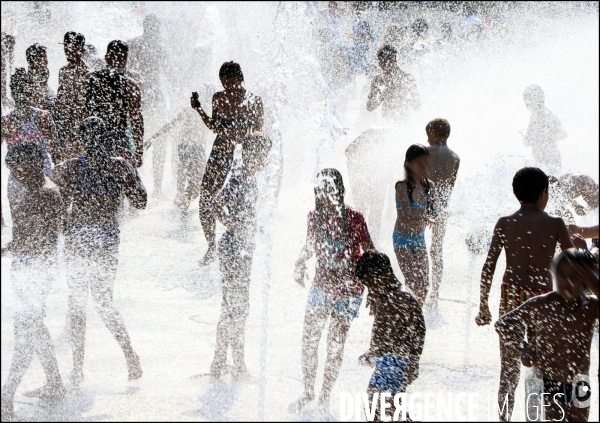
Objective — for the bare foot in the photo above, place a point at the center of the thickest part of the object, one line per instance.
(134, 368)
(298, 405)
(48, 391)
(209, 257)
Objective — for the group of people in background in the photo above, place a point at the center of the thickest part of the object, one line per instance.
(73, 160)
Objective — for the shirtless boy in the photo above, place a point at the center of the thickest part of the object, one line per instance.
(530, 237)
(564, 320)
(398, 333)
(444, 167)
(93, 187)
(36, 212)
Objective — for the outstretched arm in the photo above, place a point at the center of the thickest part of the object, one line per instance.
(487, 275)
(165, 129)
(374, 95)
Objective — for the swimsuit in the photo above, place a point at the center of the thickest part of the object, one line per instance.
(346, 307)
(389, 373)
(412, 241)
(513, 296)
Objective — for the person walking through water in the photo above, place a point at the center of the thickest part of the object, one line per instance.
(235, 113)
(543, 132)
(148, 58)
(235, 207)
(70, 97)
(336, 233)
(36, 212)
(93, 187)
(416, 206)
(116, 99)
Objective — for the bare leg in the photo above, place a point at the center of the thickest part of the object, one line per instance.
(78, 293)
(314, 323)
(336, 338)
(158, 164)
(414, 265)
(437, 261)
(510, 371)
(101, 285)
(217, 367)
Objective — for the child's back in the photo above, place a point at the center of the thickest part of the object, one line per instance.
(444, 167)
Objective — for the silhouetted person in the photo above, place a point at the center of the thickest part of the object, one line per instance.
(37, 62)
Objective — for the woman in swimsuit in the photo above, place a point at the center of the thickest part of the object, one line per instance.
(235, 113)
(414, 205)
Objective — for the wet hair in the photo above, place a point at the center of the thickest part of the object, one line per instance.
(573, 256)
(92, 133)
(420, 27)
(414, 152)
(74, 38)
(528, 184)
(534, 94)
(256, 146)
(20, 81)
(372, 264)
(117, 50)
(440, 126)
(387, 52)
(34, 52)
(319, 205)
(24, 153)
(231, 69)
(8, 41)
(393, 31)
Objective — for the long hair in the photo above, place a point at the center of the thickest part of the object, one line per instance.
(320, 202)
(414, 152)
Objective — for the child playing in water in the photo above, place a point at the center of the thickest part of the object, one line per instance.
(398, 332)
(544, 130)
(36, 212)
(530, 237)
(415, 205)
(564, 320)
(235, 207)
(444, 167)
(336, 233)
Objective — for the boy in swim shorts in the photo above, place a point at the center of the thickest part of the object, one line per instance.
(398, 332)
(564, 320)
(530, 237)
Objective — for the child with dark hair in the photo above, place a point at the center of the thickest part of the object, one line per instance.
(564, 321)
(529, 238)
(94, 187)
(236, 112)
(235, 207)
(415, 205)
(444, 168)
(336, 233)
(398, 332)
(37, 63)
(393, 89)
(36, 212)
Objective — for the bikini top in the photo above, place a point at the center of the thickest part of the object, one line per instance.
(413, 204)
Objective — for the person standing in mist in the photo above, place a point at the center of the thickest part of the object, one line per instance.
(236, 113)
(543, 132)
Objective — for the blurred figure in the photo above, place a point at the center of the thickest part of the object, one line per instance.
(36, 212)
(236, 113)
(70, 99)
(149, 59)
(26, 123)
(7, 54)
(42, 97)
(116, 99)
(93, 187)
(419, 28)
(90, 56)
(566, 190)
(444, 168)
(446, 37)
(235, 207)
(362, 36)
(543, 132)
(192, 136)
